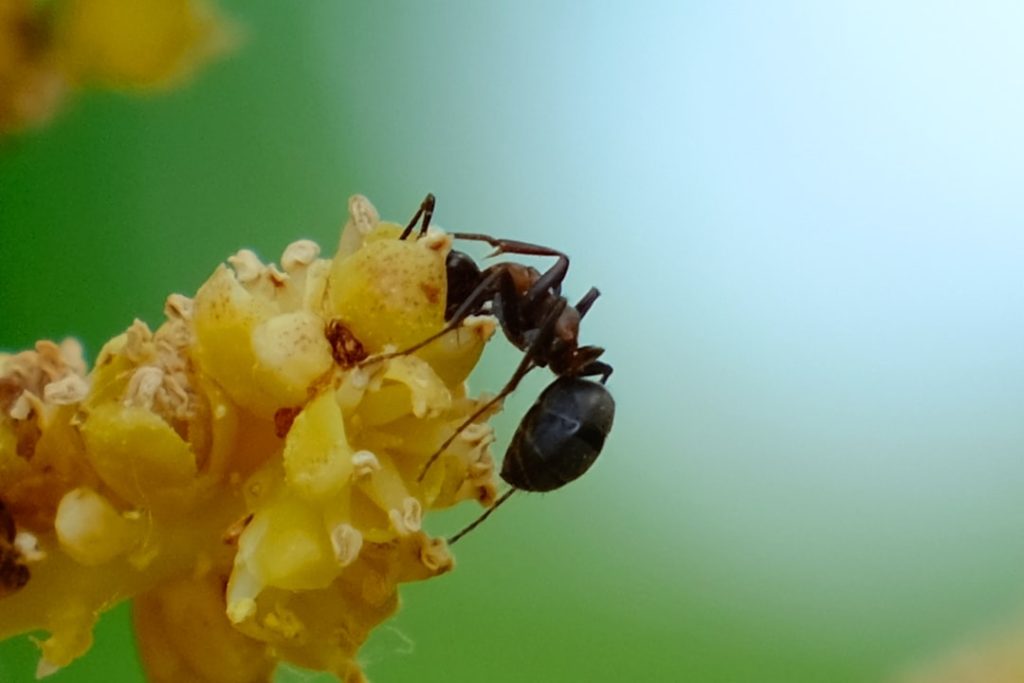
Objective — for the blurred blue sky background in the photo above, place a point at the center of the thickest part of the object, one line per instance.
(805, 221)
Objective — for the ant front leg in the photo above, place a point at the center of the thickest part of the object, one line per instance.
(426, 210)
(550, 280)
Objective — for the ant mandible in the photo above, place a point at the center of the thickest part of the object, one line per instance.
(562, 434)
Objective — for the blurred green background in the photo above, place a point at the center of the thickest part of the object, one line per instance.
(805, 219)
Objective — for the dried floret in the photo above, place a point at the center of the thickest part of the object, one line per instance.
(247, 471)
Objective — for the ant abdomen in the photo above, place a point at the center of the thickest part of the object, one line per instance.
(561, 435)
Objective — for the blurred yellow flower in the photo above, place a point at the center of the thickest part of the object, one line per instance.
(239, 471)
(48, 49)
(31, 82)
(136, 43)
(995, 656)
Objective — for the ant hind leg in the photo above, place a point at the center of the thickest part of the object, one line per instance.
(594, 368)
(479, 520)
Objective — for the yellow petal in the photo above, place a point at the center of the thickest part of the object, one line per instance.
(137, 454)
(286, 546)
(391, 291)
(317, 455)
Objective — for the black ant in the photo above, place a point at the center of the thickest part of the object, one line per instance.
(562, 434)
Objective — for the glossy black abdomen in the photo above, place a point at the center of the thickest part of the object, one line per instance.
(561, 436)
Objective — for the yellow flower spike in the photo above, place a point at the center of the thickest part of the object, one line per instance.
(236, 470)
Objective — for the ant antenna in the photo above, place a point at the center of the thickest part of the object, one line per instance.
(479, 520)
(426, 210)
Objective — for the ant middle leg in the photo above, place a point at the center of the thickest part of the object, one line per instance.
(543, 339)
